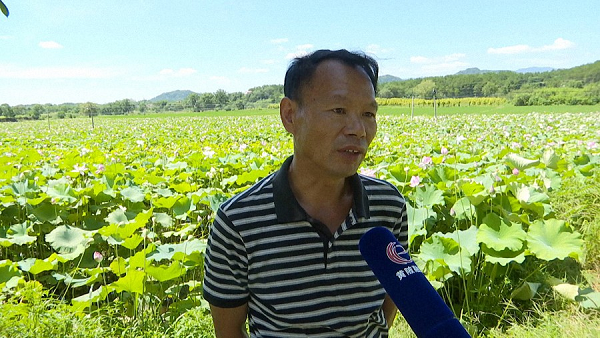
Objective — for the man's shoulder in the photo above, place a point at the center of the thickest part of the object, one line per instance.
(372, 183)
(381, 192)
(253, 195)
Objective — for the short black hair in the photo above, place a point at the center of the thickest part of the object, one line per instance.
(302, 69)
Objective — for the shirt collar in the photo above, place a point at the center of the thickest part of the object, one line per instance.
(289, 210)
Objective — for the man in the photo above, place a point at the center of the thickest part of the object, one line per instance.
(284, 253)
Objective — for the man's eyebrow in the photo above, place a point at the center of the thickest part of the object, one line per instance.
(340, 97)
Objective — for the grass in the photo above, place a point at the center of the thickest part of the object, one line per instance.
(386, 110)
(209, 113)
(487, 110)
(29, 314)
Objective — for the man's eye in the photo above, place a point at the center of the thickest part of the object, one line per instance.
(369, 114)
(338, 110)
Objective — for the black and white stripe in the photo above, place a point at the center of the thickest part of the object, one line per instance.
(296, 282)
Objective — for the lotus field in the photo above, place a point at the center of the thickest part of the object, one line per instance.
(120, 213)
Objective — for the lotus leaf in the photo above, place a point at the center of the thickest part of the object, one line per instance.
(447, 252)
(519, 162)
(428, 196)
(61, 190)
(19, 234)
(466, 239)
(66, 239)
(464, 209)
(525, 291)
(133, 194)
(132, 282)
(498, 235)
(164, 273)
(87, 299)
(553, 239)
(503, 257)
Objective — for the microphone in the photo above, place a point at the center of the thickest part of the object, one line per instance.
(419, 303)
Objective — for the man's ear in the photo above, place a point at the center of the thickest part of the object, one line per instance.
(287, 112)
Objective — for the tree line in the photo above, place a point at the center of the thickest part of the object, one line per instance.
(578, 85)
(258, 97)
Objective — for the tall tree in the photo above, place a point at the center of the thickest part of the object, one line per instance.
(193, 101)
(425, 89)
(89, 109)
(221, 97)
(37, 111)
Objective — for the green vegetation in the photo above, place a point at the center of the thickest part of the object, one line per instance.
(103, 230)
(503, 90)
(578, 85)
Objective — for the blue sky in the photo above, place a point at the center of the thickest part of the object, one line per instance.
(103, 51)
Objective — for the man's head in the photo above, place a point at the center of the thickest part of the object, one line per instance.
(330, 109)
(302, 69)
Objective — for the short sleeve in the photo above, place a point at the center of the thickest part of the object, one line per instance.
(401, 226)
(225, 265)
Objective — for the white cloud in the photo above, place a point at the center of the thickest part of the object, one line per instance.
(510, 49)
(301, 50)
(376, 49)
(445, 64)
(558, 44)
(5, 37)
(279, 41)
(246, 70)
(56, 73)
(221, 80)
(419, 59)
(179, 73)
(444, 67)
(305, 46)
(437, 60)
(454, 57)
(50, 45)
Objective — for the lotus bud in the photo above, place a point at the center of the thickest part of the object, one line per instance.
(98, 257)
(414, 181)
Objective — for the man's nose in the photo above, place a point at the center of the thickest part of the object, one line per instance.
(355, 126)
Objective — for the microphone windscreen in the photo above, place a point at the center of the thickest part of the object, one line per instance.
(419, 303)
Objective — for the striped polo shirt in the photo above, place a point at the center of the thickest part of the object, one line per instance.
(298, 278)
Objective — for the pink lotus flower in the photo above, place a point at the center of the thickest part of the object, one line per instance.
(515, 171)
(98, 257)
(415, 181)
(81, 169)
(425, 161)
(368, 172)
(100, 168)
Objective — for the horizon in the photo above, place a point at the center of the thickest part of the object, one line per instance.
(55, 53)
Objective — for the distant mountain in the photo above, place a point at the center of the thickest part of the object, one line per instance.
(389, 78)
(534, 70)
(475, 70)
(176, 95)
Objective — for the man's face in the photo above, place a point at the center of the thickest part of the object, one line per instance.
(335, 122)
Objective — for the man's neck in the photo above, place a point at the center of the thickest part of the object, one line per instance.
(324, 198)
